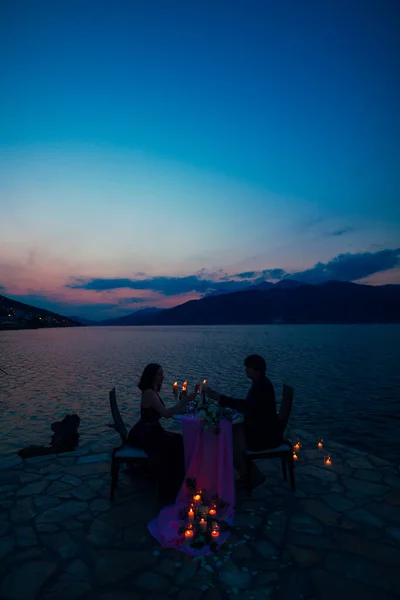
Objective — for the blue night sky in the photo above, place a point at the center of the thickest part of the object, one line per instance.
(151, 150)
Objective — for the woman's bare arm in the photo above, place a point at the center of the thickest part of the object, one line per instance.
(151, 400)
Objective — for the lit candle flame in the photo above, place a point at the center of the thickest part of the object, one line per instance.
(295, 457)
(197, 497)
(189, 533)
(215, 533)
(297, 446)
(328, 461)
(212, 511)
(320, 444)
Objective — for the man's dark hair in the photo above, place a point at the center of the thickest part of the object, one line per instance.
(256, 362)
(148, 376)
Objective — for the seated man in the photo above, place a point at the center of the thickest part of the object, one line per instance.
(261, 428)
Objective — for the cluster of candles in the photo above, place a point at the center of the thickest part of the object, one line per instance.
(184, 389)
(195, 514)
(320, 445)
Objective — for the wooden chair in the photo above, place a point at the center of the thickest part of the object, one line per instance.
(123, 453)
(284, 451)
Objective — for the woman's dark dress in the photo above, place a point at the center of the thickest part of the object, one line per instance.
(164, 449)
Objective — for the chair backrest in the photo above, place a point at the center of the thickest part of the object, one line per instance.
(119, 424)
(286, 405)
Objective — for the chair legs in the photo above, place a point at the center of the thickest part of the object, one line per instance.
(291, 472)
(115, 464)
(286, 462)
(249, 464)
(284, 472)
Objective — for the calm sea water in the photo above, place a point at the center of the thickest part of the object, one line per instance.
(346, 378)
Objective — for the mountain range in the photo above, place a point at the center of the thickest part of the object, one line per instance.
(288, 301)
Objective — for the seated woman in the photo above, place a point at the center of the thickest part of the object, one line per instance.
(261, 428)
(164, 449)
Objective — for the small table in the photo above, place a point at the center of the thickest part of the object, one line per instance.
(208, 460)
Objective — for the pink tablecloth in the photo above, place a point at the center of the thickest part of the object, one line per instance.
(208, 459)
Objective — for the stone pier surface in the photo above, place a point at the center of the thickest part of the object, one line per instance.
(336, 538)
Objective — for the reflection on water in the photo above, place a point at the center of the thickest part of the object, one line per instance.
(346, 377)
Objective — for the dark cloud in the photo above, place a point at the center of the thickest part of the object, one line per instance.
(340, 232)
(273, 274)
(351, 267)
(167, 286)
(345, 267)
(247, 274)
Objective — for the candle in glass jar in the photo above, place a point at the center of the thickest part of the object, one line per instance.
(189, 533)
(215, 533)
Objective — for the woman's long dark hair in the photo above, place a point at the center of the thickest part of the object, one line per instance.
(148, 376)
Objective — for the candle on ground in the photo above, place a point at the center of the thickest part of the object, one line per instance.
(320, 444)
(295, 457)
(297, 446)
(189, 533)
(328, 461)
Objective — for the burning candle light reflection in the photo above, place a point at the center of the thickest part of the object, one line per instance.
(189, 533)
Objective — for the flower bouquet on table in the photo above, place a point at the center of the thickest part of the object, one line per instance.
(202, 524)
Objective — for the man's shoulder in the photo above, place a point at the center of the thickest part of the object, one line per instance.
(264, 382)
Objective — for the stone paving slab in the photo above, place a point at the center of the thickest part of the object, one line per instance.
(337, 537)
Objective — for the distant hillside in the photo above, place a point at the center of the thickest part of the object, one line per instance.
(17, 315)
(83, 321)
(140, 317)
(332, 302)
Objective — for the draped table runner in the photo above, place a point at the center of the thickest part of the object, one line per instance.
(209, 460)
